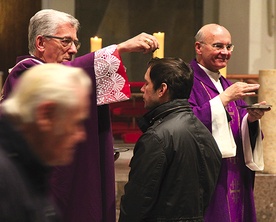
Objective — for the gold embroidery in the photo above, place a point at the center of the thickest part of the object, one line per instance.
(233, 160)
(235, 190)
(206, 89)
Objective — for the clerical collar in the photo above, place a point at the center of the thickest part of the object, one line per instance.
(214, 75)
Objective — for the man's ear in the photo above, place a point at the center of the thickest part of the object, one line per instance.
(197, 48)
(163, 89)
(45, 115)
(39, 43)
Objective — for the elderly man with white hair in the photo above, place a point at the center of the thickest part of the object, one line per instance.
(41, 122)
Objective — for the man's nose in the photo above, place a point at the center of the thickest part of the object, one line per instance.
(142, 88)
(73, 49)
(224, 50)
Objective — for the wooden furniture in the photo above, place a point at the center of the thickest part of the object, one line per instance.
(249, 78)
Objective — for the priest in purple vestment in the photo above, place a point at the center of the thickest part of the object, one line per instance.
(85, 190)
(217, 103)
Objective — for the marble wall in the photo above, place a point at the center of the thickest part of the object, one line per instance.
(265, 198)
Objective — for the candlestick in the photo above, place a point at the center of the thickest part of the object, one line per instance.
(160, 36)
(95, 44)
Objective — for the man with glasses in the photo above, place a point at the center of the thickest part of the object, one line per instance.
(217, 103)
(85, 190)
(65, 41)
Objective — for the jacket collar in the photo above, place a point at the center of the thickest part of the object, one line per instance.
(161, 111)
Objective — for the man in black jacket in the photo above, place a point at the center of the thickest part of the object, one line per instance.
(41, 122)
(176, 161)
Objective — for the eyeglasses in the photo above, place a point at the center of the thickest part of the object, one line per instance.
(65, 41)
(221, 46)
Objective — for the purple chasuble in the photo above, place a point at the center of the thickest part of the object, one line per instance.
(233, 199)
(85, 190)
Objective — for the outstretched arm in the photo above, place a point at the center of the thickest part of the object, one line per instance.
(141, 43)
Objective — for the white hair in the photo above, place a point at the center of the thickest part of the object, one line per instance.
(47, 82)
(47, 22)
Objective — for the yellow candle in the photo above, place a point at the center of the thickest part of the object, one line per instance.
(160, 36)
(95, 44)
(223, 71)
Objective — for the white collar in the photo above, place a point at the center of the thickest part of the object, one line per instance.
(214, 75)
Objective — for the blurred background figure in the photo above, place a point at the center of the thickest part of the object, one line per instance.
(41, 122)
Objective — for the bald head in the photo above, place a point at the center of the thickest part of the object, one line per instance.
(210, 30)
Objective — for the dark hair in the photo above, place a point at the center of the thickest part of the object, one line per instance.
(177, 74)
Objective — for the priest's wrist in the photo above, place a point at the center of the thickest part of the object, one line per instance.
(224, 99)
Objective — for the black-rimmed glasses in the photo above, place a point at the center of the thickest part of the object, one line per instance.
(65, 41)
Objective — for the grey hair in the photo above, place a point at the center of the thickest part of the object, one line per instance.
(47, 82)
(46, 22)
(199, 36)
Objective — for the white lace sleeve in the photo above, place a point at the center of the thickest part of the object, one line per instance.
(109, 82)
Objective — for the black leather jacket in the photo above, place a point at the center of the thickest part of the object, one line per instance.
(174, 169)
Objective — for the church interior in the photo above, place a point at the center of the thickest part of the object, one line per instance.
(251, 23)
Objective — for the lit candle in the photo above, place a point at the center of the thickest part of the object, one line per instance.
(223, 72)
(95, 44)
(160, 36)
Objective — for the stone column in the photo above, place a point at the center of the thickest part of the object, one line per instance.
(267, 92)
